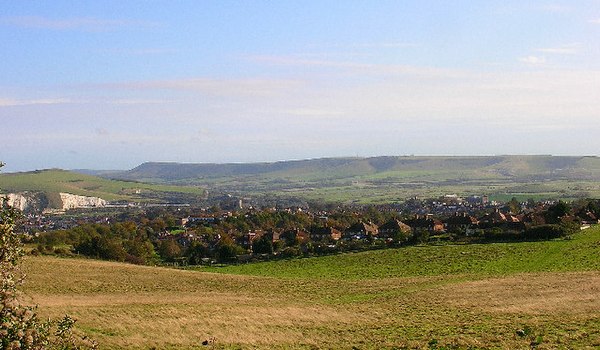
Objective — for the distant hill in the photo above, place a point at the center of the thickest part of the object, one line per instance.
(54, 181)
(381, 179)
(345, 180)
(543, 167)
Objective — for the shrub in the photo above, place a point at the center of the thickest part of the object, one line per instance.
(20, 327)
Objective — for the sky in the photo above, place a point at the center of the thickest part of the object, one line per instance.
(112, 84)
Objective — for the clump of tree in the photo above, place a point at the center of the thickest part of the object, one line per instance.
(119, 242)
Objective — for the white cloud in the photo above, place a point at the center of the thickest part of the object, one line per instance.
(137, 52)
(314, 112)
(81, 23)
(595, 21)
(363, 68)
(570, 49)
(101, 132)
(382, 45)
(555, 8)
(8, 102)
(244, 125)
(139, 101)
(533, 60)
(218, 87)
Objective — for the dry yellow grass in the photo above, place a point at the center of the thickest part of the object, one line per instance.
(127, 306)
(540, 294)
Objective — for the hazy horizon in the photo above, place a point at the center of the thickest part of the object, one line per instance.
(112, 84)
(3, 170)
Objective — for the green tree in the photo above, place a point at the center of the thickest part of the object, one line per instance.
(263, 245)
(169, 250)
(227, 250)
(514, 206)
(196, 251)
(557, 211)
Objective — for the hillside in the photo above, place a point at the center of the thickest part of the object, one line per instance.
(54, 181)
(505, 296)
(515, 167)
(386, 179)
(345, 180)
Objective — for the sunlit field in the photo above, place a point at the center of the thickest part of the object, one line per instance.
(494, 296)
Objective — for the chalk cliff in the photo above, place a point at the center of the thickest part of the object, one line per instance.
(29, 202)
(19, 201)
(72, 201)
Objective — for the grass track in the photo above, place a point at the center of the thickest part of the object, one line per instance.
(473, 296)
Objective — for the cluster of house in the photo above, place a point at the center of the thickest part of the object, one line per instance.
(461, 223)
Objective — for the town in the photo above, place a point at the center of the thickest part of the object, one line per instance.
(238, 233)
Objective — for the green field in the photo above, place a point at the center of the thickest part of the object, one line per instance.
(541, 295)
(415, 261)
(55, 181)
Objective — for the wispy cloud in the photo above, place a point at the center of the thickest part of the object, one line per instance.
(386, 69)
(570, 49)
(382, 45)
(533, 60)
(8, 102)
(555, 8)
(222, 87)
(138, 101)
(137, 52)
(314, 112)
(101, 132)
(529, 7)
(594, 21)
(79, 23)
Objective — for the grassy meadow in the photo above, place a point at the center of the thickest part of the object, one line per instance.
(541, 295)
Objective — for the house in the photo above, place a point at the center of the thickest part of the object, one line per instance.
(249, 237)
(462, 223)
(320, 234)
(191, 221)
(425, 223)
(361, 230)
(392, 228)
(588, 218)
(291, 237)
(275, 235)
(498, 219)
(493, 218)
(532, 218)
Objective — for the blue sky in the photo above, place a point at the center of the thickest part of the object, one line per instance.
(112, 84)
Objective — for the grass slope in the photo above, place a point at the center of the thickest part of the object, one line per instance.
(54, 181)
(579, 254)
(496, 296)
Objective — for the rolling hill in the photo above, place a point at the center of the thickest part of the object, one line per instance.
(385, 179)
(53, 181)
(516, 167)
(345, 180)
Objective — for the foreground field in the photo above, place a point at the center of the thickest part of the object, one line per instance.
(497, 296)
